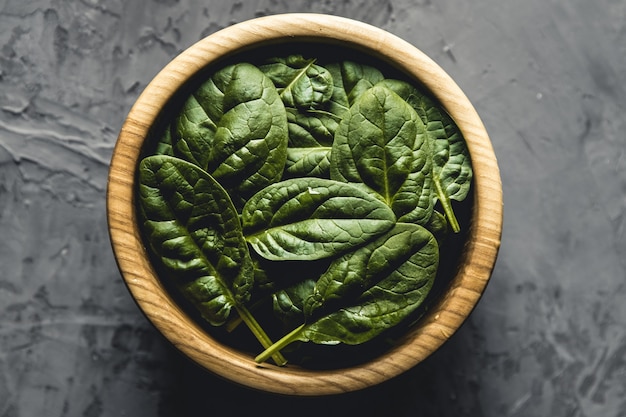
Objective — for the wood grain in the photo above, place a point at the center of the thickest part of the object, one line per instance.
(430, 333)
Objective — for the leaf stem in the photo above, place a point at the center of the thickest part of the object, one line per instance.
(260, 334)
(235, 321)
(447, 206)
(276, 347)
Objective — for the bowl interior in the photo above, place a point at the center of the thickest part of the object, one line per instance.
(464, 271)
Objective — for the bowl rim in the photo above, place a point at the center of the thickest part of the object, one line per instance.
(436, 326)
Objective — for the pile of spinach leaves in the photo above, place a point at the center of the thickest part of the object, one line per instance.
(324, 190)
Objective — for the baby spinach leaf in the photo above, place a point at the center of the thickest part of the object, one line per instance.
(380, 143)
(194, 127)
(194, 230)
(249, 148)
(351, 79)
(311, 128)
(406, 257)
(288, 303)
(451, 168)
(234, 126)
(316, 124)
(308, 162)
(300, 82)
(193, 134)
(368, 290)
(312, 218)
(316, 127)
(305, 89)
(438, 226)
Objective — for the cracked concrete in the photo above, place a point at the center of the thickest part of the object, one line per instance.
(547, 339)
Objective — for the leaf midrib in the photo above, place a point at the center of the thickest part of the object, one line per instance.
(188, 233)
(301, 73)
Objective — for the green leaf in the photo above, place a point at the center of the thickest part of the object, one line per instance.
(308, 162)
(369, 290)
(351, 79)
(194, 127)
(312, 218)
(306, 89)
(316, 126)
(288, 303)
(300, 82)
(380, 143)
(194, 230)
(452, 167)
(438, 226)
(193, 134)
(249, 148)
(373, 288)
(234, 126)
(311, 128)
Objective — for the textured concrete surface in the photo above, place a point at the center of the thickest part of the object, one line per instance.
(547, 339)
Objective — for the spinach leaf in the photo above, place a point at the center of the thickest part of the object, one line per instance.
(379, 143)
(234, 126)
(317, 126)
(438, 226)
(311, 128)
(249, 148)
(308, 162)
(312, 218)
(288, 303)
(351, 79)
(194, 230)
(305, 89)
(194, 127)
(194, 134)
(300, 82)
(452, 167)
(369, 290)
(314, 118)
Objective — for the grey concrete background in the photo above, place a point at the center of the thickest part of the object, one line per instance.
(547, 339)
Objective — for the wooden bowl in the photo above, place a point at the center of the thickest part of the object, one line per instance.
(441, 320)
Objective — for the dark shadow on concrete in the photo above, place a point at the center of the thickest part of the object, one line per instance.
(439, 386)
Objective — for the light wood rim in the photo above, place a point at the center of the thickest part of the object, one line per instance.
(440, 322)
